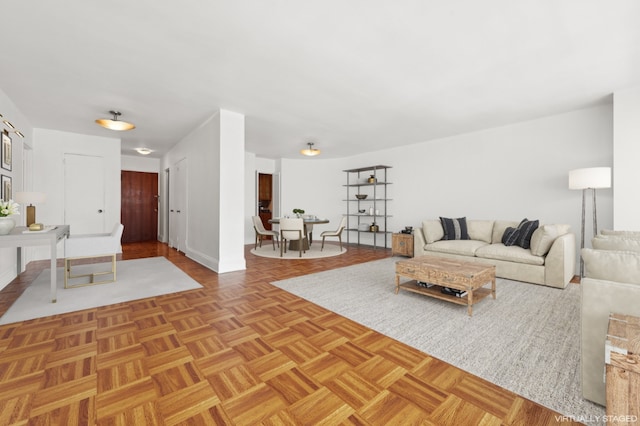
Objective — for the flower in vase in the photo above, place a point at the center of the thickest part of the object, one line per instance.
(8, 208)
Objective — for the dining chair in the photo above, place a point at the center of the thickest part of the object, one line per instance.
(89, 246)
(262, 233)
(291, 230)
(336, 233)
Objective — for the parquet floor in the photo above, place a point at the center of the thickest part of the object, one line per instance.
(238, 351)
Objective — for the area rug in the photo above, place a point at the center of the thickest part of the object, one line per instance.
(313, 253)
(526, 341)
(137, 279)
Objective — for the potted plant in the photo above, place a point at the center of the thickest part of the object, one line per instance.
(298, 212)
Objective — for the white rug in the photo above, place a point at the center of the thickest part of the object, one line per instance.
(527, 340)
(313, 253)
(137, 279)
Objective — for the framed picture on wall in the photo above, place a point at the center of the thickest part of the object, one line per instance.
(6, 188)
(6, 151)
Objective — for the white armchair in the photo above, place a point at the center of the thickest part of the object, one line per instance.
(89, 246)
(291, 230)
(336, 233)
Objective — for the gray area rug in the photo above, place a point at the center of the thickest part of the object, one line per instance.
(526, 341)
(136, 279)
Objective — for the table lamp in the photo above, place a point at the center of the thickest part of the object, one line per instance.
(589, 178)
(30, 198)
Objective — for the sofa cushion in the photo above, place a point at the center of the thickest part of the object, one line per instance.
(480, 230)
(432, 230)
(624, 233)
(455, 229)
(499, 227)
(612, 265)
(512, 254)
(526, 228)
(510, 236)
(543, 238)
(461, 247)
(616, 242)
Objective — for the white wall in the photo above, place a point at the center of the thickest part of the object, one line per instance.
(137, 163)
(50, 146)
(8, 267)
(210, 208)
(510, 173)
(626, 152)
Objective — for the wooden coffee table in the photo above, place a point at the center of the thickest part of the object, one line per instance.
(443, 272)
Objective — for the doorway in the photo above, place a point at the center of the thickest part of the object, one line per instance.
(139, 206)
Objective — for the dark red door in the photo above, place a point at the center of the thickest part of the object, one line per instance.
(139, 206)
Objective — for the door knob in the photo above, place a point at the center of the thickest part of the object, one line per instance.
(100, 211)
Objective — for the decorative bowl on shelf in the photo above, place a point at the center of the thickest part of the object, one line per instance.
(361, 196)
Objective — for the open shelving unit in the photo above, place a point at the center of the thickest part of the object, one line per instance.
(372, 181)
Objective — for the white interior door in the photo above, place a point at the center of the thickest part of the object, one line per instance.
(84, 194)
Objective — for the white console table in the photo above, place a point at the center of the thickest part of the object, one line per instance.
(18, 238)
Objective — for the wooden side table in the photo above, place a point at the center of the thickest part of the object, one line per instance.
(402, 244)
(622, 358)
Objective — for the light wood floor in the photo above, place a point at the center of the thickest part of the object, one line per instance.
(238, 351)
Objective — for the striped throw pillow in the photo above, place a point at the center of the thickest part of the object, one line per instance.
(455, 229)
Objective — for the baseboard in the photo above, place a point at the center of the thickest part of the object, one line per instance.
(7, 276)
(215, 264)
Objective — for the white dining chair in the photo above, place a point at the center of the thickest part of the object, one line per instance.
(336, 233)
(90, 246)
(291, 230)
(262, 232)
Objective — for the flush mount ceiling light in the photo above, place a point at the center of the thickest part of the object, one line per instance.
(144, 151)
(311, 151)
(115, 124)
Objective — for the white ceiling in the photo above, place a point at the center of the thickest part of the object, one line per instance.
(350, 75)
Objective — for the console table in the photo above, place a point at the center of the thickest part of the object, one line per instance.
(20, 237)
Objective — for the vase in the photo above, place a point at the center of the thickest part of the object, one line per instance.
(6, 225)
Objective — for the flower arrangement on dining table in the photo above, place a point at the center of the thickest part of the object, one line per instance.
(8, 208)
(298, 212)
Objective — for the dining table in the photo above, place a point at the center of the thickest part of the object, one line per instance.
(308, 237)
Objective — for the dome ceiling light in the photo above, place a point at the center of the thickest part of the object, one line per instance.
(115, 124)
(311, 151)
(144, 151)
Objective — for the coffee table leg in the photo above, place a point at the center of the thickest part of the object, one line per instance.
(397, 283)
(470, 302)
(493, 287)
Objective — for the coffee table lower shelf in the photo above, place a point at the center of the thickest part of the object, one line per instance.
(436, 292)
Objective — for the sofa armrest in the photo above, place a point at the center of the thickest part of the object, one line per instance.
(599, 299)
(419, 241)
(560, 263)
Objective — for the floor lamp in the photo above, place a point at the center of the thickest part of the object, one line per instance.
(590, 178)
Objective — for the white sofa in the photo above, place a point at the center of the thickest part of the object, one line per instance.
(611, 284)
(550, 261)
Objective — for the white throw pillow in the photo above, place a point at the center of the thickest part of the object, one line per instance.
(543, 238)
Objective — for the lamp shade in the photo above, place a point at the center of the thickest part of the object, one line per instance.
(30, 197)
(593, 177)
